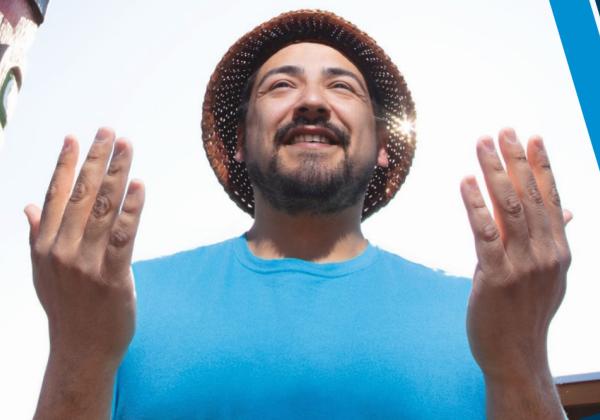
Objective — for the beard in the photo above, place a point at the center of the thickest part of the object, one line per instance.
(312, 189)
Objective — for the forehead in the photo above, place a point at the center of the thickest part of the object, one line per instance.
(309, 55)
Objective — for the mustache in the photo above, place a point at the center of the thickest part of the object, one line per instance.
(342, 135)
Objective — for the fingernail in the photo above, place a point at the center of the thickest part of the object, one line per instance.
(119, 148)
(489, 144)
(133, 187)
(510, 136)
(66, 145)
(471, 182)
(540, 144)
(102, 135)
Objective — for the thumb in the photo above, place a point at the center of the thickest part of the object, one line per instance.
(567, 216)
(33, 214)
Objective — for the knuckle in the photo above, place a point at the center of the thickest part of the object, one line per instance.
(38, 250)
(80, 191)
(542, 161)
(554, 196)
(61, 162)
(94, 155)
(548, 265)
(520, 157)
(52, 191)
(529, 270)
(58, 257)
(114, 168)
(545, 164)
(510, 283)
(81, 270)
(132, 207)
(496, 166)
(505, 278)
(102, 205)
(533, 192)
(119, 238)
(477, 202)
(512, 205)
(489, 233)
(567, 261)
(552, 265)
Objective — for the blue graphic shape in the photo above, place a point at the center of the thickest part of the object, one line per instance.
(581, 42)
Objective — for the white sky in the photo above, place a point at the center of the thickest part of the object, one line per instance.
(472, 66)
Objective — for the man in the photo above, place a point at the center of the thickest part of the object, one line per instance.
(307, 125)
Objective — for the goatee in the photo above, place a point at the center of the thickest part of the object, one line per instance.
(313, 189)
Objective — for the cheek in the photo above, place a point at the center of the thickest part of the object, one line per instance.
(258, 138)
(264, 117)
(360, 122)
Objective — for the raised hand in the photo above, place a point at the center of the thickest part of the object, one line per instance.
(81, 247)
(520, 278)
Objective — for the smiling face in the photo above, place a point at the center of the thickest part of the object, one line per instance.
(309, 136)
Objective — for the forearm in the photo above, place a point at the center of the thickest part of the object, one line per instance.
(75, 390)
(528, 398)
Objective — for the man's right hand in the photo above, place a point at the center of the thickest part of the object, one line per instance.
(81, 247)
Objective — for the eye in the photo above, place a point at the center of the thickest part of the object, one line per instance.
(281, 84)
(342, 85)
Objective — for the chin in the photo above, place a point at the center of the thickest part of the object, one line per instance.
(311, 186)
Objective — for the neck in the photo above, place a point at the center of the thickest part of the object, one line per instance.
(319, 238)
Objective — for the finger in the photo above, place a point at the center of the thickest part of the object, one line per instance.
(117, 259)
(59, 189)
(33, 214)
(542, 171)
(567, 216)
(524, 183)
(86, 187)
(488, 243)
(508, 210)
(108, 201)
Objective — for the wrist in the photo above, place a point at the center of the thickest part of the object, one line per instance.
(521, 381)
(531, 393)
(76, 388)
(77, 375)
(85, 356)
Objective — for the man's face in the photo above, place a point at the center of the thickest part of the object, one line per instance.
(309, 138)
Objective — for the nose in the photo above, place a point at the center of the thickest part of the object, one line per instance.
(312, 106)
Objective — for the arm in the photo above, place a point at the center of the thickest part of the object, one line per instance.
(81, 246)
(533, 397)
(71, 390)
(520, 278)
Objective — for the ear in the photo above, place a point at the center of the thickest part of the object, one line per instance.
(382, 140)
(239, 148)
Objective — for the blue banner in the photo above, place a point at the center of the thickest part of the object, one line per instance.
(580, 38)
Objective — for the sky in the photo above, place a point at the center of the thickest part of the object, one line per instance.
(141, 67)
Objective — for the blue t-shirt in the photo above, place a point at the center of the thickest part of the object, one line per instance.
(222, 334)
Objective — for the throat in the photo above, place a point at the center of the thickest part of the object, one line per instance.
(320, 239)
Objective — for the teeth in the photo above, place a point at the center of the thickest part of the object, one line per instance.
(310, 138)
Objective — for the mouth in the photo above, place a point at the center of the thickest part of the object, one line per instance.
(311, 136)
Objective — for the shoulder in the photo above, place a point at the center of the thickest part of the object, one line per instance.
(184, 260)
(427, 276)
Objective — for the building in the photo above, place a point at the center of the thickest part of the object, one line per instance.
(19, 21)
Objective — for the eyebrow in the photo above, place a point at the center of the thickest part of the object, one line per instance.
(336, 71)
(296, 70)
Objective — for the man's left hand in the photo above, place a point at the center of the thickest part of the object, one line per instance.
(520, 277)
